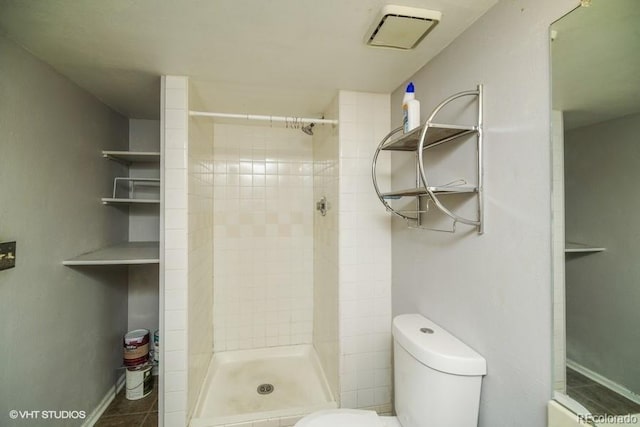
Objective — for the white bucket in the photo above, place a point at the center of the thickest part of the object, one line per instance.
(139, 382)
(136, 347)
(156, 346)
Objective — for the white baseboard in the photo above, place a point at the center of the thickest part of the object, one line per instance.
(95, 415)
(606, 382)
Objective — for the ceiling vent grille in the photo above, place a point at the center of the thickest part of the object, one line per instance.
(400, 27)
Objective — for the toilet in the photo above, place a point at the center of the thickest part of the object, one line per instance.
(437, 381)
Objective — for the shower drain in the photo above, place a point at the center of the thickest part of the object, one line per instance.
(265, 388)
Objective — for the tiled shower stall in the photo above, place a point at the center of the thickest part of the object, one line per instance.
(262, 237)
(248, 263)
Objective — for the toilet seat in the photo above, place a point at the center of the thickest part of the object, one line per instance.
(347, 418)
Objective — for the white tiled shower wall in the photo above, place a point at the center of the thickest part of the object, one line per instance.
(263, 245)
(325, 245)
(263, 237)
(364, 255)
(174, 265)
(200, 247)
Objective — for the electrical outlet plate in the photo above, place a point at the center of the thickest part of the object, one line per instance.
(7, 255)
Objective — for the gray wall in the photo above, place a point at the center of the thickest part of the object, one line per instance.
(144, 225)
(144, 220)
(493, 291)
(602, 289)
(60, 327)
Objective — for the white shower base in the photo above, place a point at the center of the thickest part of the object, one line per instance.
(229, 394)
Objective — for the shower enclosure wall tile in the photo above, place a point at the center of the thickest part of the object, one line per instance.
(325, 241)
(175, 402)
(175, 320)
(175, 218)
(176, 300)
(174, 259)
(175, 98)
(175, 361)
(173, 382)
(173, 419)
(262, 237)
(364, 255)
(174, 138)
(200, 251)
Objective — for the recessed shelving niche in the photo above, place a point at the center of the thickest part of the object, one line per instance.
(125, 253)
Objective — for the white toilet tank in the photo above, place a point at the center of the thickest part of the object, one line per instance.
(437, 377)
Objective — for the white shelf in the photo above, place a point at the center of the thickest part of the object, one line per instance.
(128, 157)
(572, 247)
(112, 200)
(439, 190)
(129, 253)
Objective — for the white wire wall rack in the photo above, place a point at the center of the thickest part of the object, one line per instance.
(131, 194)
(429, 135)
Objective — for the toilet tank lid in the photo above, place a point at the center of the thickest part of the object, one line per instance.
(438, 349)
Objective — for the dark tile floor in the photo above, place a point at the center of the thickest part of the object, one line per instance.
(598, 399)
(131, 413)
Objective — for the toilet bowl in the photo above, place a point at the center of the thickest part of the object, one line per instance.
(347, 418)
(437, 381)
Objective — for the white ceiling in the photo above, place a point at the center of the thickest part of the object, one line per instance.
(596, 62)
(257, 56)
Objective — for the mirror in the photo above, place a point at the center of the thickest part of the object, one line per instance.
(595, 57)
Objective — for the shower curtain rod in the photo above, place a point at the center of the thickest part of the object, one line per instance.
(263, 118)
